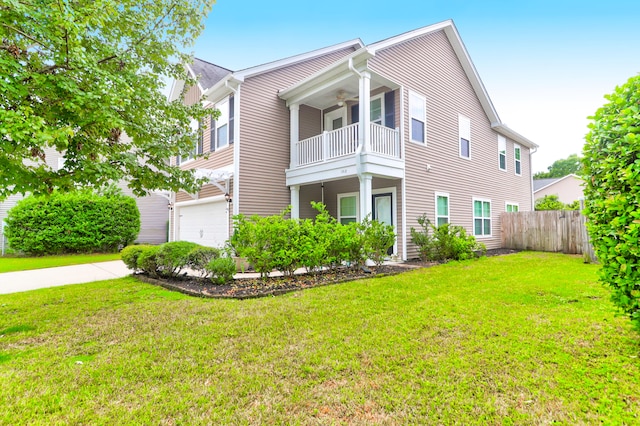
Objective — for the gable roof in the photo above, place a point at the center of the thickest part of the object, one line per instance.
(539, 184)
(448, 27)
(208, 73)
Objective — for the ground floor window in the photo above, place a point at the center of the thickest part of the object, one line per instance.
(481, 217)
(442, 208)
(348, 208)
(512, 207)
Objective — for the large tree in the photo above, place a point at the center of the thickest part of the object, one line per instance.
(85, 78)
(561, 168)
(612, 191)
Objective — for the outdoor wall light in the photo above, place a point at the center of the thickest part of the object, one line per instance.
(228, 198)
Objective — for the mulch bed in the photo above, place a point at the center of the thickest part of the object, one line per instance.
(248, 288)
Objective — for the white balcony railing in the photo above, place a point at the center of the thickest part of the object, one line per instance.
(344, 141)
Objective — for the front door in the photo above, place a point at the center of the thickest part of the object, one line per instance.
(335, 119)
(383, 210)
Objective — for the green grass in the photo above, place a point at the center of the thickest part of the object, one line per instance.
(11, 264)
(528, 338)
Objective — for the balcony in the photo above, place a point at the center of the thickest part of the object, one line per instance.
(344, 142)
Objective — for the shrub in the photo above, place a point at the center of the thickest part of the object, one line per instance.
(251, 240)
(172, 257)
(130, 255)
(147, 261)
(612, 173)
(199, 257)
(550, 202)
(77, 222)
(378, 238)
(448, 242)
(221, 269)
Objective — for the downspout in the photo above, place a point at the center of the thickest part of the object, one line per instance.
(235, 204)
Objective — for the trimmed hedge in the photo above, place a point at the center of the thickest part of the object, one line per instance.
(77, 222)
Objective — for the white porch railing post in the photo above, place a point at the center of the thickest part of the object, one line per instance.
(294, 112)
(397, 143)
(365, 107)
(325, 145)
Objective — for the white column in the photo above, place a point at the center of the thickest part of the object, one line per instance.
(365, 195)
(294, 112)
(295, 201)
(365, 114)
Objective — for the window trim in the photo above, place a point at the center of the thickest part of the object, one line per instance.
(464, 129)
(473, 213)
(423, 100)
(511, 203)
(517, 162)
(347, 195)
(437, 216)
(502, 141)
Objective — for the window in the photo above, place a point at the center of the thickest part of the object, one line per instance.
(502, 152)
(222, 125)
(481, 217)
(195, 126)
(348, 208)
(376, 110)
(511, 207)
(442, 208)
(418, 117)
(464, 133)
(517, 155)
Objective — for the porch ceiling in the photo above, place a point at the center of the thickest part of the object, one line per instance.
(321, 90)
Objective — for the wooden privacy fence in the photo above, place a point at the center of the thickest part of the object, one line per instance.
(555, 231)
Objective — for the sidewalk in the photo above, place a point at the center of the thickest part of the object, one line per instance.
(13, 282)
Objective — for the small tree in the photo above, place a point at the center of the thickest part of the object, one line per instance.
(612, 171)
(549, 202)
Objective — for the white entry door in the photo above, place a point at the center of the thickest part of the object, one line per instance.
(335, 119)
(383, 210)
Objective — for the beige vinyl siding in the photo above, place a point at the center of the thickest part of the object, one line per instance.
(428, 66)
(265, 138)
(568, 189)
(193, 95)
(310, 122)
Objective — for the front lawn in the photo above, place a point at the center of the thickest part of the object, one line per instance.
(12, 263)
(528, 338)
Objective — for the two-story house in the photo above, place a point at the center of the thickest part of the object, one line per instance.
(395, 129)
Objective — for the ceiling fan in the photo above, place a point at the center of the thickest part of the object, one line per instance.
(342, 97)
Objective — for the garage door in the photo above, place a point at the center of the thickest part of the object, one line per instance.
(205, 224)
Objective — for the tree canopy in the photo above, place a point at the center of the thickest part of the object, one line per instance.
(561, 168)
(612, 193)
(85, 78)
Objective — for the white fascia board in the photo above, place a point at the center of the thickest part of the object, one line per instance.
(401, 38)
(330, 74)
(504, 130)
(222, 88)
(270, 66)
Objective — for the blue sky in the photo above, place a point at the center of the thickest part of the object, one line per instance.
(546, 64)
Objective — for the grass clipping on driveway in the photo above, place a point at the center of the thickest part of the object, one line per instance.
(528, 338)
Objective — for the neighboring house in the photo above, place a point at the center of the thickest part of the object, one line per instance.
(154, 212)
(568, 188)
(395, 129)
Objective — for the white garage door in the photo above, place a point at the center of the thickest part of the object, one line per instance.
(205, 224)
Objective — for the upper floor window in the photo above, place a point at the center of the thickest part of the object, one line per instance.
(517, 155)
(481, 217)
(222, 129)
(442, 208)
(418, 117)
(197, 149)
(464, 135)
(502, 152)
(376, 110)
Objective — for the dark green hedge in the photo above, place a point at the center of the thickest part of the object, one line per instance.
(78, 222)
